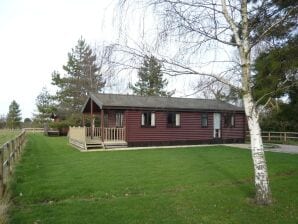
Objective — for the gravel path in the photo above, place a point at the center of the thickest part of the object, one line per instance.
(293, 149)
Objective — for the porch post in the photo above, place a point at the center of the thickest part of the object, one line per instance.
(91, 118)
(102, 124)
(83, 124)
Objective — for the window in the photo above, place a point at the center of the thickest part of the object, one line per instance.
(229, 120)
(106, 120)
(173, 119)
(204, 120)
(148, 119)
(119, 119)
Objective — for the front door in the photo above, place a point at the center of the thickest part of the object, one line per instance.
(216, 125)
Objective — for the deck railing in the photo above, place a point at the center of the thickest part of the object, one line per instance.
(109, 134)
(96, 132)
(114, 134)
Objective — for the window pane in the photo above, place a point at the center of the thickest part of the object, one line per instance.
(148, 119)
(143, 119)
(204, 121)
(119, 119)
(106, 120)
(170, 118)
(177, 119)
(152, 119)
(229, 120)
(232, 120)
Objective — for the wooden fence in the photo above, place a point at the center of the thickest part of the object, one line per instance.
(274, 136)
(34, 130)
(9, 154)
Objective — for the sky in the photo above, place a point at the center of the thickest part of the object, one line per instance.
(35, 37)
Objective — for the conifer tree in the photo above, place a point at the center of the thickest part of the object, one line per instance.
(14, 116)
(45, 106)
(151, 82)
(82, 76)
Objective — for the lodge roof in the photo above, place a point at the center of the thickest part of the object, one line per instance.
(157, 102)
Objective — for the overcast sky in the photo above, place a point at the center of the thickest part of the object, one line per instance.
(35, 37)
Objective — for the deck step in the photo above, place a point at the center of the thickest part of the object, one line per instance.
(94, 145)
(108, 145)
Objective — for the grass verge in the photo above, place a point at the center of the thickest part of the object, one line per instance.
(6, 135)
(55, 183)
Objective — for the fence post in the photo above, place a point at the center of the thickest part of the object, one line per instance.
(8, 156)
(285, 137)
(269, 137)
(11, 155)
(1, 172)
(19, 145)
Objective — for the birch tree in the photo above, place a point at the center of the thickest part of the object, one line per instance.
(239, 26)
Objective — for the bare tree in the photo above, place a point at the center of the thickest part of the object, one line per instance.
(214, 29)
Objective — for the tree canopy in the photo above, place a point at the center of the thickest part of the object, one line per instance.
(14, 118)
(46, 107)
(83, 75)
(151, 81)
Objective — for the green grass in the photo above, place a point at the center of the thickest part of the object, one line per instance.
(55, 183)
(6, 135)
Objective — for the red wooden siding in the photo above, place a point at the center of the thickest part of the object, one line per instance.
(190, 129)
(236, 132)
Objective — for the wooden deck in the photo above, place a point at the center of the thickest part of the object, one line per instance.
(85, 138)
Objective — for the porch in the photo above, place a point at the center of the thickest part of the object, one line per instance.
(97, 137)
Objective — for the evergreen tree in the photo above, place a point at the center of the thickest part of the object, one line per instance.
(2, 121)
(276, 72)
(82, 76)
(45, 106)
(14, 115)
(151, 82)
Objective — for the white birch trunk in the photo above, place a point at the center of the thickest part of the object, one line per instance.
(263, 193)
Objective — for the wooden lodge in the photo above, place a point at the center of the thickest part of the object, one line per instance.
(126, 120)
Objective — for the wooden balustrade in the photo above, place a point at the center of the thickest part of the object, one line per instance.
(9, 154)
(96, 132)
(114, 134)
(109, 134)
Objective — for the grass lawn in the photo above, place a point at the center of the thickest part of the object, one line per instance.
(6, 135)
(55, 183)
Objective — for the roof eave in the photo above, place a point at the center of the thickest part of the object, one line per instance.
(94, 99)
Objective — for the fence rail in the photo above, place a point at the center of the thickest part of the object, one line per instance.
(34, 130)
(9, 154)
(271, 136)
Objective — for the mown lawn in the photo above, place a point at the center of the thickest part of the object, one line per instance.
(6, 135)
(55, 183)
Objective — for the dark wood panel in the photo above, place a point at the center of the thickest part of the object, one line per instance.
(190, 128)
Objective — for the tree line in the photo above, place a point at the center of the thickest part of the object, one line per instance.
(83, 74)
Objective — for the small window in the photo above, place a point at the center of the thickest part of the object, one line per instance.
(204, 120)
(173, 119)
(229, 120)
(148, 119)
(119, 120)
